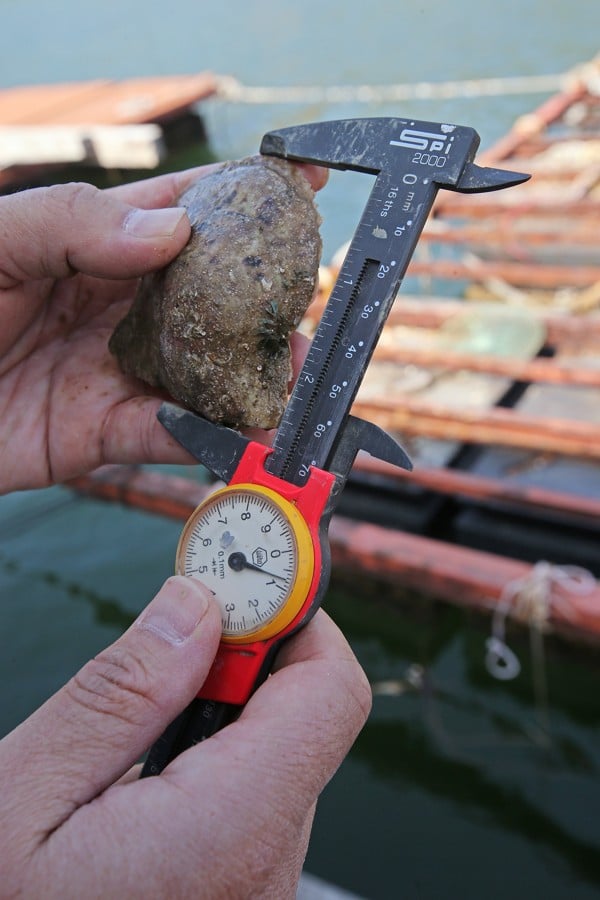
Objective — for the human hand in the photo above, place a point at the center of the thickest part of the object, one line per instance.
(230, 817)
(70, 257)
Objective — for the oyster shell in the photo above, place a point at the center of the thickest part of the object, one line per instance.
(212, 328)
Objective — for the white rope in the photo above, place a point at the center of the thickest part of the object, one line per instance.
(532, 599)
(229, 88)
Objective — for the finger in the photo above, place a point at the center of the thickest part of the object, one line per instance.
(94, 729)
(237, 808)
(317, 175)
(318, 654)
(163, 190)
(317, 700)
(302, 721)
(132, 774)
(133, 435)
(318, 642)
(270, 766)
(57, 231)
(299, 345)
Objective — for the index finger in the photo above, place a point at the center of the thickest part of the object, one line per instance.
(164, 190)
(304, 718)
(237, 805)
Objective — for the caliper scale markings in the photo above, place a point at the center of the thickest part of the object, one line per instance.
(243, 548)
(350, 326)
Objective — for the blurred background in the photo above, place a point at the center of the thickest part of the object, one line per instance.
(460, 785)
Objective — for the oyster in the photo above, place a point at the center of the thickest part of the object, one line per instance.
(212, 328)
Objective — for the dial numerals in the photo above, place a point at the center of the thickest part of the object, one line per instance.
(253, 550)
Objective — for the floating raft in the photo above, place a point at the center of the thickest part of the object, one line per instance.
(488, 372)
(106, 123)
(469, 578)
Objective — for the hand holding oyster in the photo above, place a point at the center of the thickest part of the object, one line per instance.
(212, 328)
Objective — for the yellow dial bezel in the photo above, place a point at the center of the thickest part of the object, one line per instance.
(305, 558)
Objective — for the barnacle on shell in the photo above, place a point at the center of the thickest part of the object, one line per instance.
(213, 327)
(272, 331)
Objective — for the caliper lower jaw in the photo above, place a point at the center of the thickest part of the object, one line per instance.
(358, 434)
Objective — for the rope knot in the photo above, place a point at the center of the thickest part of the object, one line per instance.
(532, 599)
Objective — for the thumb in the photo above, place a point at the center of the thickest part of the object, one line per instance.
(95, 728)
(67, 228)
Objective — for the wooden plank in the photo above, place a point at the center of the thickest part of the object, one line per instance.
(517, 273)
(514, 236)
(110, 146)
(469, 578)
(165, 495)
(43, 104)
(533, 123)
(506, 493)
(503, 427)
(137, 101)
(143, 100)
(431, 312)
(548, 371)
(103, 102)
(32, 145)
(177, 497)
(515, 204)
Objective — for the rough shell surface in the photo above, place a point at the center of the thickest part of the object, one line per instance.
(212, 328)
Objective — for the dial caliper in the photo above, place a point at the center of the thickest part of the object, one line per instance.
(260, 543)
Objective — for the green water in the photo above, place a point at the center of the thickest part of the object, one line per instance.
(463, 786)
(459, 786)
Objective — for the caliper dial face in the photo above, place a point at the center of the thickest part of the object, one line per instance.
(253, 550)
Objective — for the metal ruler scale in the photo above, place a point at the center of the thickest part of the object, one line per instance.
(348, 332)
(411, 161)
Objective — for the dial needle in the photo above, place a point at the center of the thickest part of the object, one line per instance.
(237, 562)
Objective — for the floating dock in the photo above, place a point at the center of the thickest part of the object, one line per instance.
(103, 123)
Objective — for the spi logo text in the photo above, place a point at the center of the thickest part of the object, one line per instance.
(421, 140)
(432, 147)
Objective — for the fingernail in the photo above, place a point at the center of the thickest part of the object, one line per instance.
(153, 223)
(177, 610)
